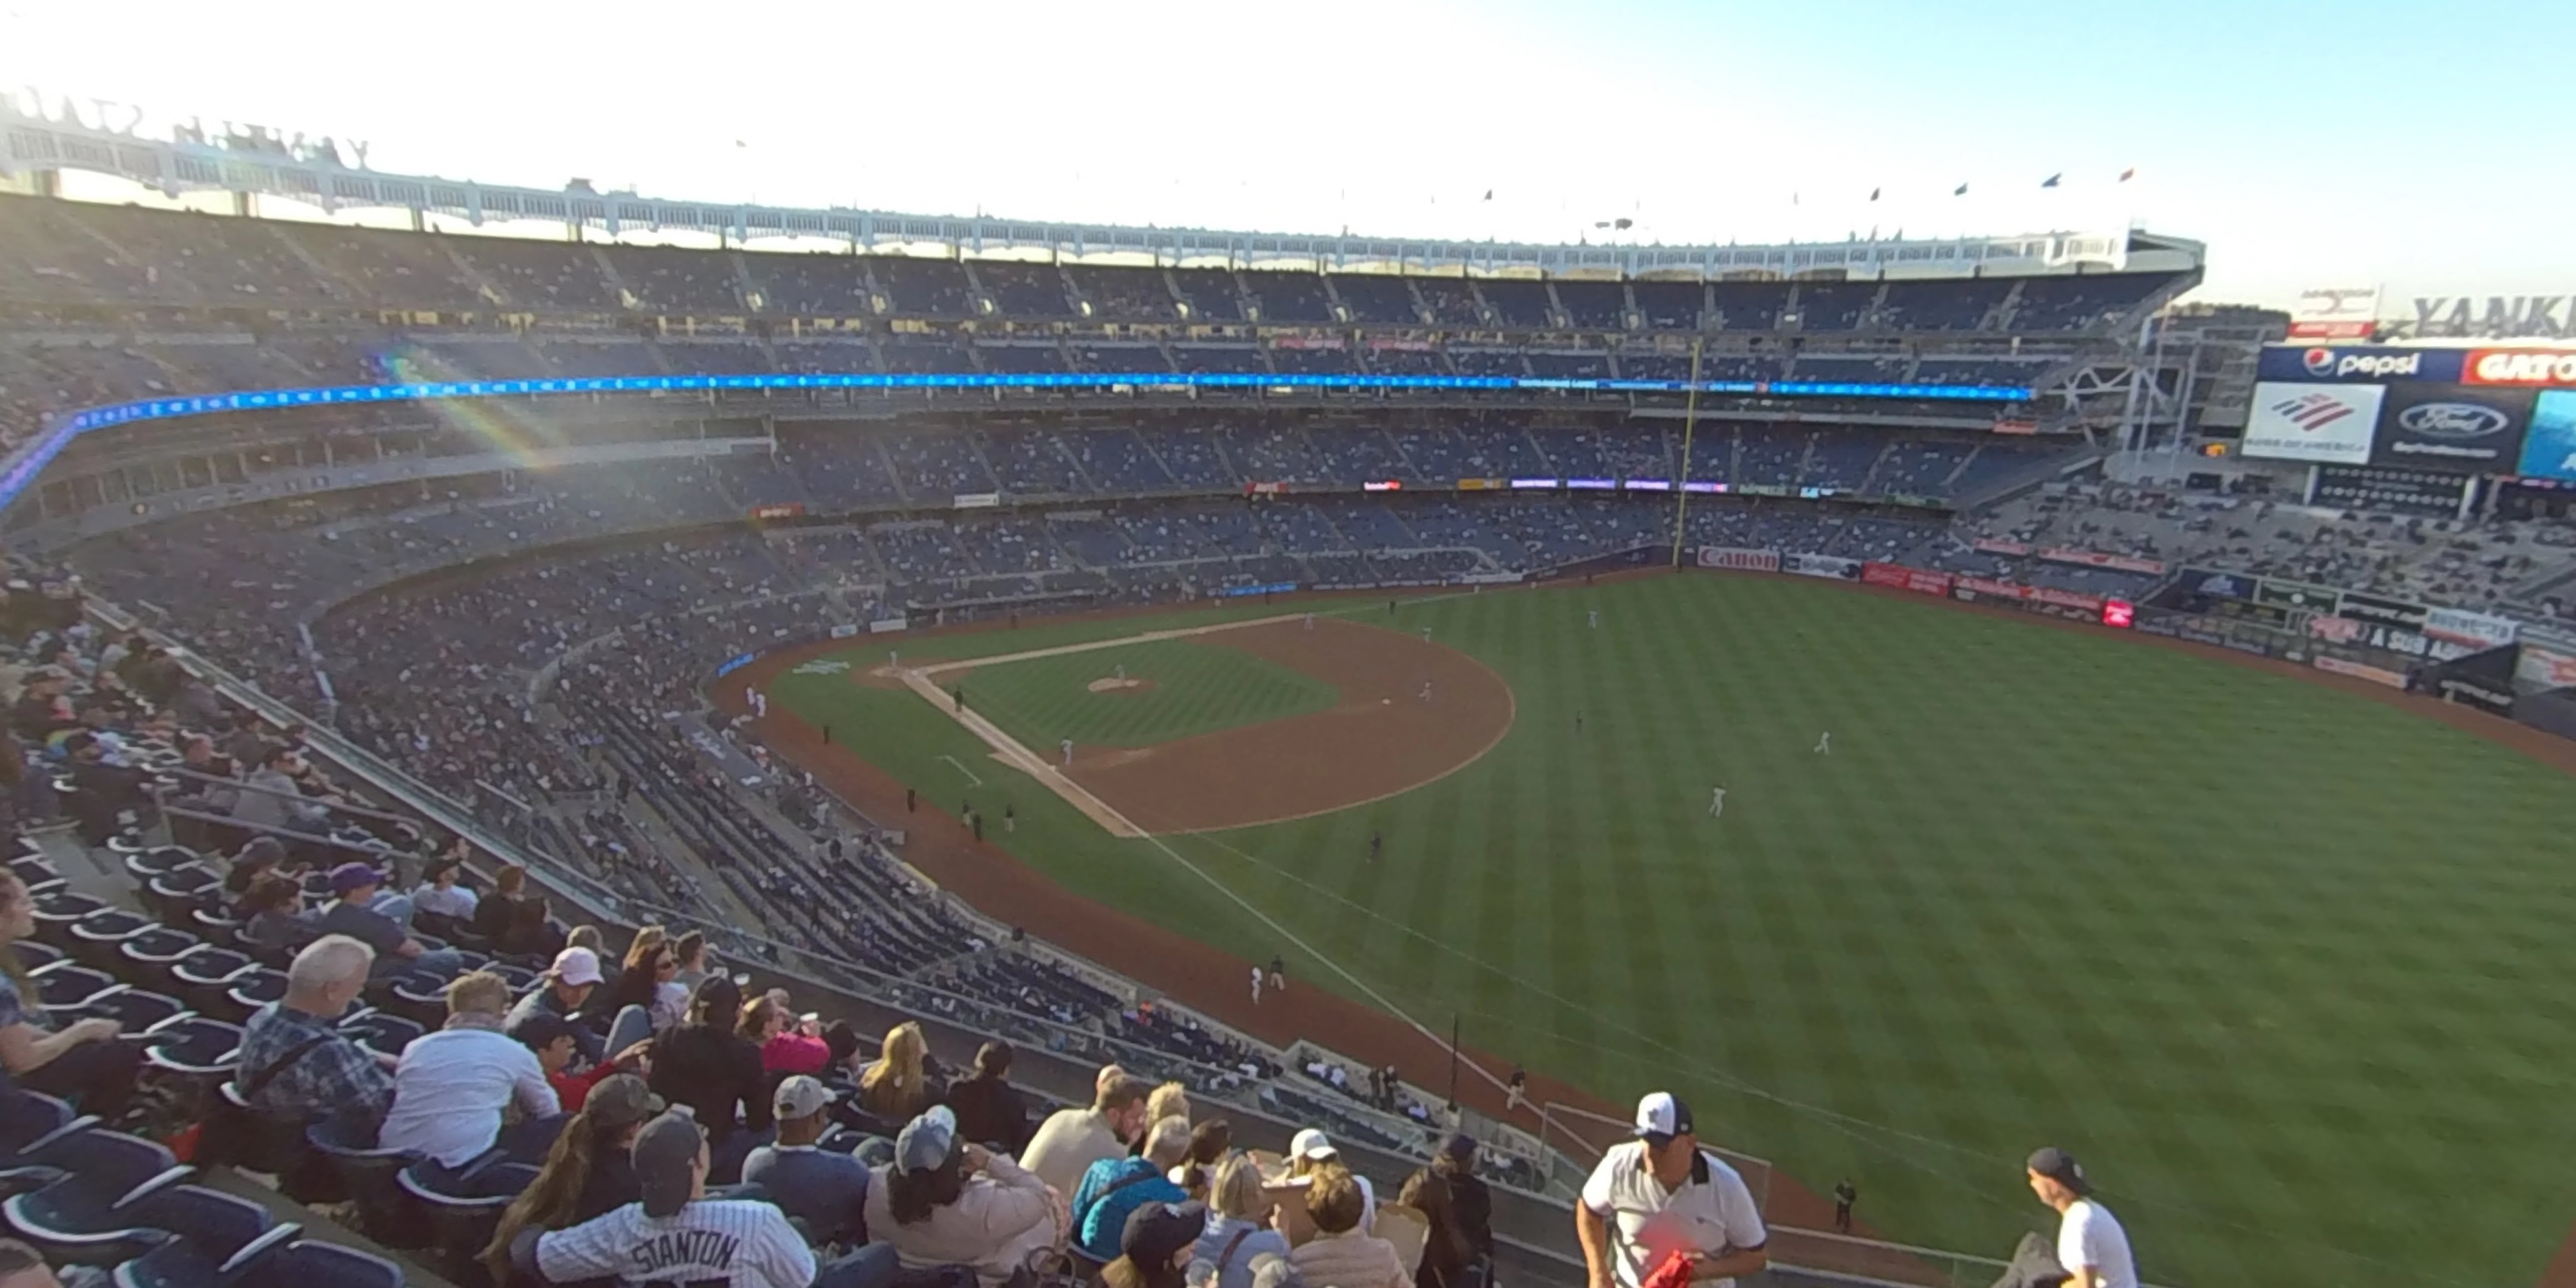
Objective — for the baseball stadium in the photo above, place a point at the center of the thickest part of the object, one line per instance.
(1916, 701)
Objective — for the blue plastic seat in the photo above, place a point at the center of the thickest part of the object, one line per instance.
(206, 975)
(195, 1047)
(371, 1177)
(59, 909)
(35, 955)
(253, 989)
(215, 928)
(149, 957)
(179, 1263)
(157, 860)
(464, 1204)
(134, 1010)
(382, 1032)
(35, 869)
(88, 1216)
(307, 1264)
(97, 937)
(69, 985)
(176, 895)
(205, 1231)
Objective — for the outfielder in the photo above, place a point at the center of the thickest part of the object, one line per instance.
(1825, 743)
(1256, 986)
(1716, 802)
(1595, 616)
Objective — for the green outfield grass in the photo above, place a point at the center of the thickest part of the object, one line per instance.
(1196, 688)
(2283, 965)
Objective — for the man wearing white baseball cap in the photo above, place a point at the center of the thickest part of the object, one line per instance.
(1311, 1148)
(1661, 1196)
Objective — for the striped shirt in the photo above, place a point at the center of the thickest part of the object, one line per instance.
(734, 1242)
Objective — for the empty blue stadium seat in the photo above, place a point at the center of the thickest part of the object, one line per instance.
(204, 1231)
(88, 1215)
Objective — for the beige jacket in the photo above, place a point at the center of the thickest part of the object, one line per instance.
(1004, 1215)
(1347, 1260)
(1066, 1146)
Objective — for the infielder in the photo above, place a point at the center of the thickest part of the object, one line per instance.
(1256, 986)
(1825, 743)
(1426, 690)
(1310, 621)
(1716, 802)
(759, 704)
(1066, 747)
(1426, 634)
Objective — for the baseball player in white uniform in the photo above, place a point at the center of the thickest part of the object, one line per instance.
(1256, 986)
(1825, 743)
(1716, 802)
(1066, 747)
(1595, 616)
(759, 705)
(1426, 690)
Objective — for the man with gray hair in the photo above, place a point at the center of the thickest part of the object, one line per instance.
(295, 1061)
(1114, 1188)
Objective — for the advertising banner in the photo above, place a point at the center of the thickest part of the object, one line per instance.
(2359, 671)
(2478, 630)
(2097, 559)
(777, 510)
(978, 500)
(2335, 313)
(2403, 490)
(2296, 595)
(2465, 429)
(888, 625)
(1990, 545)
(2381, 612)
(2549, 449)
(1832, 566)
(2293, 362)
(2534, 368)
(2546, 663)
(2217, 583)
(733, 664)
(1739, 558)
(2472, 693)
(845, 630)
(1904, 578)
(2299, 422)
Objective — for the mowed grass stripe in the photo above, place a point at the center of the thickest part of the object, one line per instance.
(2281, 963)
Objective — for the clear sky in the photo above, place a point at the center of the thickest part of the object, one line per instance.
(2421, 146)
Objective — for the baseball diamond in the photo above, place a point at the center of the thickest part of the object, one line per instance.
(2226, 909)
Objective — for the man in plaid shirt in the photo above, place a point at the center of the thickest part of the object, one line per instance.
(294, 1044)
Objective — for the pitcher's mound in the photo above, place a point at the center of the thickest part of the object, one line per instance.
(1111, 684)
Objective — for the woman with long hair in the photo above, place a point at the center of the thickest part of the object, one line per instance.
(648, 979)
(83, 1061)
(1238, 1227)
(897, 1086)
(704, 1064)
(587, 1173)
(1210, 1143)
(947, 1202)
(1154, 1250)
(498, 912)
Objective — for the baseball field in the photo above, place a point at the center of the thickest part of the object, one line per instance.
(2285, 965)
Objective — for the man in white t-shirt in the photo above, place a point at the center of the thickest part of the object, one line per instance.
(2090, 1243)
(1662, 1196)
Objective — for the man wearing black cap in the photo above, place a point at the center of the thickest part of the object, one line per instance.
(1661, 1196)
(2090, 1243)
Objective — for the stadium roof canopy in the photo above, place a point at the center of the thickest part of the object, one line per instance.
(260, 163)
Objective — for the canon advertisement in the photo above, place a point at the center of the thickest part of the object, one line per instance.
(2467, 429)
(2332, 424)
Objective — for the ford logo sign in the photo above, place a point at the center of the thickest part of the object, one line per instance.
(2452, 420)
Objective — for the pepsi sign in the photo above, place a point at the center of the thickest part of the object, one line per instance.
(2366, 363)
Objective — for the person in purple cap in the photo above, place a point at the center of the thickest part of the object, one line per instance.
(354, 887)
